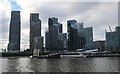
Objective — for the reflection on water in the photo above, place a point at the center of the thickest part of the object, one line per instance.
(25, 64)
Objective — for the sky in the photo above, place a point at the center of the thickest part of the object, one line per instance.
(99, 14)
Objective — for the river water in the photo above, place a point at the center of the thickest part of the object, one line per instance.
(26, 64)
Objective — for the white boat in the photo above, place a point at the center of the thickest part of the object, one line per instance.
(73, 56)
(80, 56)
(31, 56)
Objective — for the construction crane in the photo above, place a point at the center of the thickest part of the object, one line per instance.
(110, 29)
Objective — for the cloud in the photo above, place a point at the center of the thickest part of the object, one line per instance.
(5, 10)
(102, 17)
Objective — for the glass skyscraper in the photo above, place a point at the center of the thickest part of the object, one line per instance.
(35, 28)
(113, 39)
(14, 32)
(78, 36)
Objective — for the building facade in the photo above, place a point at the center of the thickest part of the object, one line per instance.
(63, 40)
(118, 36)
(51, 36)
(35, 28)
(78, 36)
(38, 45)
(88, 37)
(71, 32)
(60, 28)
(100, 45)
(14, 32)
(113, 40)
(52, 21)
(54, 40)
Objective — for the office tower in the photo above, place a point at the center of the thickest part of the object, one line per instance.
(38, 42)
(113, 40)
(79, 37)
(60, 28)
(35, 28)
(63, 40)
(52, 21)
(52, 34)
(38, 45)
(118, 36)
(71, 22)
(14, 32)
(47, 40)
(71, 33)
(52, 38)
(88, 37)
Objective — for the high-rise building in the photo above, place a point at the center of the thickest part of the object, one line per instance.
(14, 32)
(118, 35)
(88, 37)
(113, 40)
(71, 32)
(63, 40)
(52, 34)
(35, 28)
(79, 37)
(52, 39)
(60, 28)
(38, 42)
(38, 45)
(47, 40)
(71, 22)
(52, 21)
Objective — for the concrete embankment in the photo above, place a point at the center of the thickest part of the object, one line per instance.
(11, 54)
(108, 55)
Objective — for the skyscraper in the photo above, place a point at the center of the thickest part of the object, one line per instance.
(14, 32)
(52, 40)
(35, 28)
(60, 28)
(52, 34)
(113, 40)
(71, 33)
(118, 35)
(52, 21)
(79, 37)
(88, 37)
(63, 40)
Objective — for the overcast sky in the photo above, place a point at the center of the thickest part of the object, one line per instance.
(97, 14)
